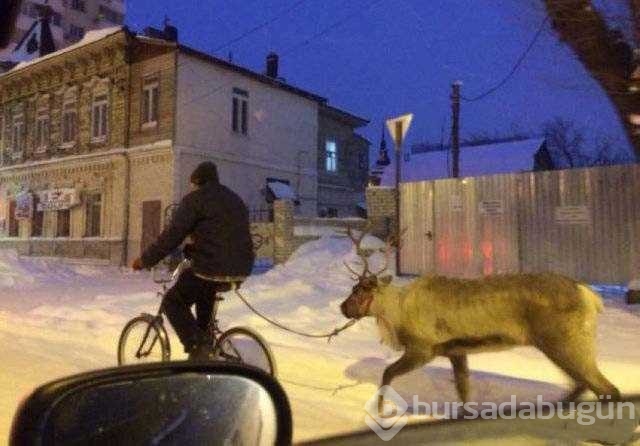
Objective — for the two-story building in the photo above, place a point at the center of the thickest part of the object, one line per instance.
(98, 140)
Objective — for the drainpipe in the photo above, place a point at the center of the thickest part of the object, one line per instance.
(127, 161)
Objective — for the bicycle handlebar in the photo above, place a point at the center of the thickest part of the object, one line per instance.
(184, 264)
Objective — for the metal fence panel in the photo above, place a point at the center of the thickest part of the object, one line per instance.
(584, 223)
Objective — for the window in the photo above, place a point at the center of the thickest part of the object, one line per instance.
(99, 119)
(240, 111)
(69, 123)
(57, 18)
(75, 32)
(63, 223)
(110, 15)
(92, 216)
(362, 160)
(1, 138)
(42, 130)
(38, 218)
(150, 103)
(18, 134)
(78, 5)
(331, 156)
(13, 221)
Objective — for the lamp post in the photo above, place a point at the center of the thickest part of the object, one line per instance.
(398, 129)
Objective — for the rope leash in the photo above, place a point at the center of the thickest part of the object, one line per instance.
(329, 336)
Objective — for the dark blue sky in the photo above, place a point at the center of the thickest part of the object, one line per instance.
(389, 57)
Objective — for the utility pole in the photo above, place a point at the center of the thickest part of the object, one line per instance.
(455, 128)
(398, 128)
(398, 137)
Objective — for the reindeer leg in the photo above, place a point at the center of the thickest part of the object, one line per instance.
(578, 390)
(461, 374)
(409, 361)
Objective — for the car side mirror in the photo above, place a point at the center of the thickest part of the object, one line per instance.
(178, 403)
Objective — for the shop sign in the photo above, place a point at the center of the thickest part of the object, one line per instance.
(58, 199)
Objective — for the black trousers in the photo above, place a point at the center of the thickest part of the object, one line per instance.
(177, 303)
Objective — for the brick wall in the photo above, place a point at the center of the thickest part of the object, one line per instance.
(381, 210)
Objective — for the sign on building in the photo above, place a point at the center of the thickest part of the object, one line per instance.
(490, 207)
(57, 199)
(572, 215)
(24, 206)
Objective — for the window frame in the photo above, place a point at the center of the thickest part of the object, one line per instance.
(89, 217)
(18, 138)
(100, 108)
(150, 102)
(69, 107)
(79, 5)
(331, 156)
(2, 132)
(38, 216)
(240, 112)
(42, 130)
(67, 220)
(12, 221)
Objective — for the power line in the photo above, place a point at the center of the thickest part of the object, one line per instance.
(260, 26)
(515, 67)
(331, 27)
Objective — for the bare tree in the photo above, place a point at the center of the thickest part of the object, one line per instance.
(565, 141)
(604, 53)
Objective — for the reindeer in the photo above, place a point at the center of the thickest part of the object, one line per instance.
(441, 316)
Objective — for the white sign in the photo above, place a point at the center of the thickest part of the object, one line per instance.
(57, 199)
(398, 128)
(455, 203)
(490, 207)
(572, 215)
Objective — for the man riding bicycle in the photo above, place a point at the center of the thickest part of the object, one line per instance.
(221, 252)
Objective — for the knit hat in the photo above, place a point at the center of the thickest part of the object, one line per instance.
(206, 172)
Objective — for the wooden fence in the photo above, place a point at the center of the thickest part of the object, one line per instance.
(584, 223)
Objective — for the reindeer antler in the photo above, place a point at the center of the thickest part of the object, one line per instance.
(389, 243)
(364, 254)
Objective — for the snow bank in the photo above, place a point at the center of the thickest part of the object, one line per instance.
(24, 272)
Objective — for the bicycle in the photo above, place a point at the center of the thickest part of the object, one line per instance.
(237, 344)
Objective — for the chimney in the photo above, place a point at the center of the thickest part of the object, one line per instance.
(170, 33)
(272, 65)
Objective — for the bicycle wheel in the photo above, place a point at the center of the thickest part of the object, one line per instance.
(243, 345)
(143, 340)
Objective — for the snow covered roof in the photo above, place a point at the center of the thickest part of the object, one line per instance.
(489, 159)
(281, 191)
(89, 37)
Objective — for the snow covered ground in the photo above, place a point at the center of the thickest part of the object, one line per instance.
(57, 319)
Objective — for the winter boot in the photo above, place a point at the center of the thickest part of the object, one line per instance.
(200, 352)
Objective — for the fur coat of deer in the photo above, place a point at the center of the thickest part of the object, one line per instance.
(439, 316)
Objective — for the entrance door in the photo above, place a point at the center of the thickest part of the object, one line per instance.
(417, 227)
(151, 213)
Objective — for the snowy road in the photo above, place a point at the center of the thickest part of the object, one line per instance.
(57, 319)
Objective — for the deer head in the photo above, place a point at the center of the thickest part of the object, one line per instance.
(357, 305)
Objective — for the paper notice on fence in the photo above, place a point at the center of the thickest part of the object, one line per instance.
(572, 215)
(490, 207)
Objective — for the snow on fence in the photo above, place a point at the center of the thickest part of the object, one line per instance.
(584, 223)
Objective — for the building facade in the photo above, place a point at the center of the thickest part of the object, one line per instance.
(70, 20)
(343, 163)
(98, 141)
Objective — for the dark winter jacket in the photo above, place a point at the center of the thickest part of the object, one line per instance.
(218, 222)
